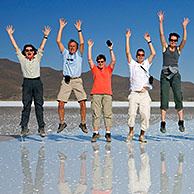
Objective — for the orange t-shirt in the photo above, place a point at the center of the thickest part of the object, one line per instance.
(102, 80)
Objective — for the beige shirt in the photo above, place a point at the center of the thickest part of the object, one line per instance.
(30, 68)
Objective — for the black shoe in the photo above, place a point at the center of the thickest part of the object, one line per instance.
(42, 132)
(181, 156)
(181, 126)
(162, 156)
(61, 127)
(163, 127)
(108, 137)
(95, 137)
(83, 127)
(24, 131)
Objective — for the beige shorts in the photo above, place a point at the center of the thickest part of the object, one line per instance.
(65, 90)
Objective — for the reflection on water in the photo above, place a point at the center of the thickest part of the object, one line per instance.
(139, 184)
(164, 183)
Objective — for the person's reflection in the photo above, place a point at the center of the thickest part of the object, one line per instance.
(63, 185)
(102, 184)
(28, 185)
(177, 185)
(141, 184)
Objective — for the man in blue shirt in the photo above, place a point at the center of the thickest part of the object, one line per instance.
(72, 64)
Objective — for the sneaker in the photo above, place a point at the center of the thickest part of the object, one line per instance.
(95, 137)
(42, 132)
(130, 137)
(62, 157)
(142, 139)
(163, 127)
(162, 156)
(181, 126)
(181, 156)
(61, 127)
(108, 137)
(24, 131)
(83, 127)
(83, 155)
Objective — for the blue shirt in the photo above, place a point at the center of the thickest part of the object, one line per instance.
(72, 63)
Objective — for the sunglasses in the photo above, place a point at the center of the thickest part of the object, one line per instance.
(100, 61)
(172, 40)
(141, 55)
(29, 50)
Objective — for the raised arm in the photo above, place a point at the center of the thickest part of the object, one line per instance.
(153, 52)
(184, 23)
(112, 63)
(10, 31)
(59, 43)
(90, 61)
(81, 38)
(46, 31)
(161, 17)
(127, 47)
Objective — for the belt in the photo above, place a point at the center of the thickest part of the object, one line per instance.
(72, 77)
(36, 78)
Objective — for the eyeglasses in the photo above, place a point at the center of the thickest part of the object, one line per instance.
(29, 50)
(140, 55)
(172, 40)
(100, 61)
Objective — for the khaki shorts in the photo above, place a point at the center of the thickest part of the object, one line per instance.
(65, 90)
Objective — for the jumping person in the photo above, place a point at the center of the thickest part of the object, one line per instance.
(101, 91)
(32, 86)
(72, 67)
(139, 86)
(170, 76)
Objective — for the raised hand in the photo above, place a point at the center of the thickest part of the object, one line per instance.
(62, 22)
(185, 22)
(128, 33)
(90, 43)
(161, 15)
(47, 30)
(147, 37)
(10, 29)
(78, 24)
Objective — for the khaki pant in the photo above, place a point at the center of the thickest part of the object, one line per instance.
(141, 100)
(104, 101)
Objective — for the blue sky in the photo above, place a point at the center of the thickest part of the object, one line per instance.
(102, 20)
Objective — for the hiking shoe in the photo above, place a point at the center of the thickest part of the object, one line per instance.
(108, 137)
(95, 147)
(83, 155)
(62, 157)
(142, 139)
(24, 131)
(181, 126)
(42, 132)
(181, 156)
(162, 156)
(95, 137)
(83, 127)
(163, 127)
(108, 147)
(61, 127)
(130, 137)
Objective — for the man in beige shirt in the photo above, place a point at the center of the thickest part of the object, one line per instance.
(32, 86)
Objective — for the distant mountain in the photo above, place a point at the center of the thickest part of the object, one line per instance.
(11, 84)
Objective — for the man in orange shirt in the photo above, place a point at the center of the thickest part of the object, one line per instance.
(101, 91)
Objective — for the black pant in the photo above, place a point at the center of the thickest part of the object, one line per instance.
(32, 88)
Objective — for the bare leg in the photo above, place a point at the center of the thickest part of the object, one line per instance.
(180, 114)
(61, 111)
(83, 111)
(107, 128)
(163, 114)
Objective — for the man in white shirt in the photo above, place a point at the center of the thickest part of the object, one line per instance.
(139, 86)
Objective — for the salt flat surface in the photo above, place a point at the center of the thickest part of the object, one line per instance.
(32, 165)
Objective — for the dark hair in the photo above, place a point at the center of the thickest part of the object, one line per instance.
(140, 50)
(100, 57)
(71, 40)
(29, 45)
(173, 34)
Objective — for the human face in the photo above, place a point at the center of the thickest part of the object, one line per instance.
(140, 56)
(101, 63)
(173, 41)
(29, 51)
(72, 47)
